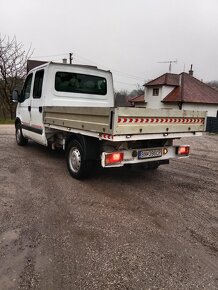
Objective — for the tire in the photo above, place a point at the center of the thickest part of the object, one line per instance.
(20, 139)
(77, 166)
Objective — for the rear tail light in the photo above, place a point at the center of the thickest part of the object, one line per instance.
(115, 157)
(183, 150)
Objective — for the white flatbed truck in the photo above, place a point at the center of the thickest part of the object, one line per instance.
(73, 107)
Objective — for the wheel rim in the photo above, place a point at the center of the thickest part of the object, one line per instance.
(75, 159)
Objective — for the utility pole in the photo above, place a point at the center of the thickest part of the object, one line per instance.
(71, 57)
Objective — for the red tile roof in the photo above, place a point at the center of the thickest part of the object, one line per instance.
(138, 99)
(34, 63)
(166, 79)
(192, 90)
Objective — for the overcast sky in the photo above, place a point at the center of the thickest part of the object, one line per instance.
(128, 37)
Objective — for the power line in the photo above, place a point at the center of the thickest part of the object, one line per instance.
(125, 83)
(115, 71)
(62, 54)
(128, 77)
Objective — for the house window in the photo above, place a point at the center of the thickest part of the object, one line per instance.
(155, 92)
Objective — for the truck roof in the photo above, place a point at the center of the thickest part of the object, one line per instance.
(51, 63)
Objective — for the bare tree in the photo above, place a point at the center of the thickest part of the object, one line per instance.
(121, 98)
(137, 92)
(213, 84)
(13, 59)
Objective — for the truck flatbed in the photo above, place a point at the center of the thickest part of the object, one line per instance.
(112, 122)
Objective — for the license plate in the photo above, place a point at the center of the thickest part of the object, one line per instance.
(142, 154)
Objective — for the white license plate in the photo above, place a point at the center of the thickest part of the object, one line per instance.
(142, 154)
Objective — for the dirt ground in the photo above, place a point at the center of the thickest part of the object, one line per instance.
(121, 229)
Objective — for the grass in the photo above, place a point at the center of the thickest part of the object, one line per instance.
(6, 121)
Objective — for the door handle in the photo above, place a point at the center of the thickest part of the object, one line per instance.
(29, 108)
(40, 109)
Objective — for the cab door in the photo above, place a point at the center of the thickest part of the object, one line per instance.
(24, 107)
(36, 113)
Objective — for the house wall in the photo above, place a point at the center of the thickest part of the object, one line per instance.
(211, 109)
(156, 101)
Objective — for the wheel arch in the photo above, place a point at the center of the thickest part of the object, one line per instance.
(17, 121)
(90, 145)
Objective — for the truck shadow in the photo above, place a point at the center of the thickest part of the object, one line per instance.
(44, 150)
(126, 174)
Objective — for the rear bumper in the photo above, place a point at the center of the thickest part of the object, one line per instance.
(131, 156)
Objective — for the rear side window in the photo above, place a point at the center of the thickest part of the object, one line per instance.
(37, 89)
(80, 83)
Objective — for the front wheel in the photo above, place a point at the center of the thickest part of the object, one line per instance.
(20, 139)
(78, 167)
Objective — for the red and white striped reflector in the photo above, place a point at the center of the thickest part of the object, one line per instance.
(106, 136)
(124, 120)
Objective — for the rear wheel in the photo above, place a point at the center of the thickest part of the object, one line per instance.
(78, 167)
(20, 139)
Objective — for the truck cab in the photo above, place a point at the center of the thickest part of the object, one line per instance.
(55, 84)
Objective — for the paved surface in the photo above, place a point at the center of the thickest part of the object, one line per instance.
(121, 229)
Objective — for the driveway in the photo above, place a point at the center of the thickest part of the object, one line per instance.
(121, 229)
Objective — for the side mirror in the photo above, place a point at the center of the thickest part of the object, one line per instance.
(15, 96)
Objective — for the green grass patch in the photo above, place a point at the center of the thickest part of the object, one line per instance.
(6, 121)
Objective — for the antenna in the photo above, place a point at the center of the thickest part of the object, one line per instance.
(170, 63)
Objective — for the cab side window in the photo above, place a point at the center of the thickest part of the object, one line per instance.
(27, 87)
(37, 89)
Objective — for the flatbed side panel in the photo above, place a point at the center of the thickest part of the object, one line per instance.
(146, 112)
(150, 128)
(78, 110)
(150, 121)
(92, 119)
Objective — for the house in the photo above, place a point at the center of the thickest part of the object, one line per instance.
(34, 63)
(179, 91)
(138, 100)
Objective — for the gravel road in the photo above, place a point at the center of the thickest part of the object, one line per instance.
(121, 229)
